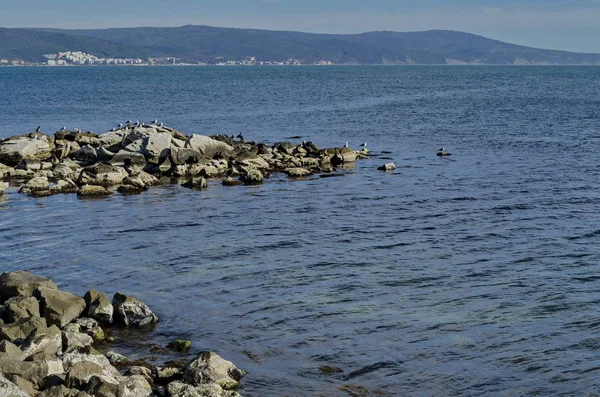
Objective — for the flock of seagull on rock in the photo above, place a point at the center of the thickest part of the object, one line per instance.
(441, 151)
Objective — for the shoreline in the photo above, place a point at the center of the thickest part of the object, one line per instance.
(48, 341)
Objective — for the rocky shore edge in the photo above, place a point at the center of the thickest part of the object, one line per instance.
(48, 339)
(130, 159)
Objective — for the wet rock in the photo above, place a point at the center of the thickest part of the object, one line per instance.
(180, 389)
(34, 185)
(80, 373)
(167, 373)
(229, 181)
(98, 306)
(90, 327)
(42, 344)
(19, 307)
(209, 367)
(116, 359)
(443, 153)
(180, 345)
(13, 150)
(343, 156)
(297, 172)
(208, 147)
(3, 187)
(91, 191)
(75, 341)
(14, 173)
(131, 189)
(59, 307)
(64, 186)
(387, 167)
(20, 329)
(130, 311)
(10, 351)
(196, 183)
(9, 389)
(252, 177)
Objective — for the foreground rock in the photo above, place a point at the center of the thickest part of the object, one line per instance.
(131, 159)
(47, 347)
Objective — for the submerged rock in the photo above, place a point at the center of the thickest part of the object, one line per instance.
(387, 167)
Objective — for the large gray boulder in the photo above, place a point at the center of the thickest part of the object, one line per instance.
(209, 367)
(134, 386)
(21, 328)
(33, 371)
(102, 175)
(86, 155)
(70, 359)
(36, 184)
(59, 307)
(92, 191)
(73, 341)
(252, 177)
(130, 311)
(208, 147)
(64, 186)
(98, 306)
(42, 344)
(9, 389)
(80, 373)
(156, 147)
(184, 155)
(22, 283)
(19, 307)
(13, 150)
(62, 391)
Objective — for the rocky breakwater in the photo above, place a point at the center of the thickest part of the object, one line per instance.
(131, 159)
(47, 339)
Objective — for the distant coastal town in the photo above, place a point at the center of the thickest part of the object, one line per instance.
(79, 58)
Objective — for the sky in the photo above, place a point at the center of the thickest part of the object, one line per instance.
(572, 25)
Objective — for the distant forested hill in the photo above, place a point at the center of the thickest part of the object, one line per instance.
(205, 43)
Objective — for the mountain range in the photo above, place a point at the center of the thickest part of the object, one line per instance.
(194, 43)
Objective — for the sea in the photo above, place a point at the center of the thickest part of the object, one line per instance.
(476, 274)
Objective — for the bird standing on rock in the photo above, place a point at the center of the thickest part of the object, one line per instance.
(155, 121)
(120, 125)
(38, 129)
(346, 145)
(441, 149)
(241, 137)
(64, 128)
(364, 144)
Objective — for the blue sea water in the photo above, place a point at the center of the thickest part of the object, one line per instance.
(476, 274)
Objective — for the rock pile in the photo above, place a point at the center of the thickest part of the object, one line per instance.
(47, 339)
(131, 159)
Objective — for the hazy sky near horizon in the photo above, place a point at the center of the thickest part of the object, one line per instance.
(558, 24)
